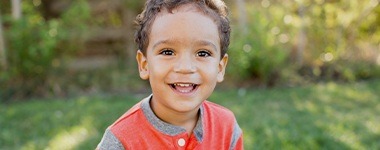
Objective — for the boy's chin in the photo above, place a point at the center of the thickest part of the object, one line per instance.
(186, 107)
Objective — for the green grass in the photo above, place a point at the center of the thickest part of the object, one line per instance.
(322, 116)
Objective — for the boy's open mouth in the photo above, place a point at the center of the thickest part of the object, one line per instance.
(184, 87)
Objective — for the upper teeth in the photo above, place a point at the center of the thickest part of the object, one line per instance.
(183, 84)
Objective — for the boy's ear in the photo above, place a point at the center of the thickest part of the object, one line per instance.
(143, 65)
(222, 68)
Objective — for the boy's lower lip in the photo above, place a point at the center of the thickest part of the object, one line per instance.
(184, 91)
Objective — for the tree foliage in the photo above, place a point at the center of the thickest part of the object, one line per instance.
(34, 48)
(340, 41)
(273, 42)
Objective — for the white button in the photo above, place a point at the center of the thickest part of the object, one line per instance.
(181, 142)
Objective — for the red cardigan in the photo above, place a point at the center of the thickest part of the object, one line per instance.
(139, 128)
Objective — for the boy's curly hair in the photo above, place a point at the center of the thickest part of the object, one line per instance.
(216, 9)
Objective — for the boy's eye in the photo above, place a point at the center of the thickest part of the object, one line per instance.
(204, 54)
(167, 52)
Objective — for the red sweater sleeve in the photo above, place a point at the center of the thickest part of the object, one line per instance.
(239, 144)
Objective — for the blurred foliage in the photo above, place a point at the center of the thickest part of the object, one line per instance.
(74, 28)
(342, 42)
(337, 40)
(36, 46)
(257, 53)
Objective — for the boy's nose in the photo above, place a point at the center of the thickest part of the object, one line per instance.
(184, 65)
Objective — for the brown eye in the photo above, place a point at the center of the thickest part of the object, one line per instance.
(204, 54)
(167, 52)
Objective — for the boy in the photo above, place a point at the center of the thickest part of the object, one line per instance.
(182, 52)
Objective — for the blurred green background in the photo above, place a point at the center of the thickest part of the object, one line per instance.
(303, 74)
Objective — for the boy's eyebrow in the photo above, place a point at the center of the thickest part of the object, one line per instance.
(163, 42)
(207, 43)
(200, 42)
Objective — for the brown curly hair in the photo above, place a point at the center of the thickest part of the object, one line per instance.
(216, 9)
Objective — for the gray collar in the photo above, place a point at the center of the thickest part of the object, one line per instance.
(167, 128)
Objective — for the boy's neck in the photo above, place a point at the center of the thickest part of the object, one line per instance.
(186, 120)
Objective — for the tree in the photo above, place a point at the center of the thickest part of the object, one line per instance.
(16, 14)
(16, 9)
(3, 61)
(301, 36)
(242, 15)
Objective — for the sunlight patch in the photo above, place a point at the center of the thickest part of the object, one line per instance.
(344, 135)
(373, 127)
(29, 145)
(248, 137)
(69, 139)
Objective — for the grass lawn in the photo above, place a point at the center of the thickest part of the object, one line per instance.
(322, 116)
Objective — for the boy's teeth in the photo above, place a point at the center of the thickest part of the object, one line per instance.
(183, 85)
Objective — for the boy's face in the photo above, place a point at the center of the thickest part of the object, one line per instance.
(182, 60)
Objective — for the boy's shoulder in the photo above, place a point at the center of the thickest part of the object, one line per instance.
(216, 110)
(220, 123)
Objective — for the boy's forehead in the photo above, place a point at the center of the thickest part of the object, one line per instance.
(181, 8)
